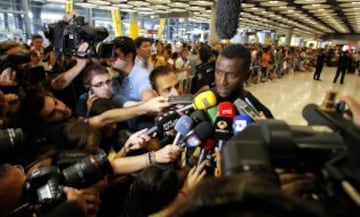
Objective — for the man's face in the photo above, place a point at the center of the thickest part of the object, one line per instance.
(144, 50)
(37, 43)
(167, 85)
(54, 110)
(228, 75)
(184, 54)
(100, 85)
(120, 62)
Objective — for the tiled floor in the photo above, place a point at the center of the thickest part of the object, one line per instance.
(287, 96)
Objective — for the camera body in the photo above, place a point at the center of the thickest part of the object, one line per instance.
(66, 37)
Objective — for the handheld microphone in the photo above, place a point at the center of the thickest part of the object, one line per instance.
(183, 126)
(244, 109)
(208, 146)
(199, 116)
(212, 113)
(164, 123)
(240, 122)
(183, 99)
(223, 123)
(197, 135)
(201, 101)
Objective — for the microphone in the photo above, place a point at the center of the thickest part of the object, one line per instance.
(182, 126)
(223, 123)
(313, 116)
(183, 99)
(212, 113)
(244, 109)
(208, 146)
(199, 116)
(197, 135)
(240, 122)
(164, 123)
(201, 101)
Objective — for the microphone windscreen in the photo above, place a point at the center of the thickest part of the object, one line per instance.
(212, 113)
(223, 128)
(209, 145)
(226, 110)
(204, 100)
(199, 116)
(240, 122)
(227, 18)
(201, 132)
(184, 125)
(182, 99)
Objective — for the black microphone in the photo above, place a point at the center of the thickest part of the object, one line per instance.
(199, 116)
(164, 123)
(199, 134)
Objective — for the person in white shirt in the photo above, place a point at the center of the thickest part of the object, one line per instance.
(143, 51)
(183, 69)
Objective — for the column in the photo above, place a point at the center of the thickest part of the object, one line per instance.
(36, 8)
(244, 37)
(289, 35)
(213, 36)
(26, 8)
(6, 21)
(133, 25)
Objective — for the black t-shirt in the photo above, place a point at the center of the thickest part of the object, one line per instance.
(204, 76)
(242, 94)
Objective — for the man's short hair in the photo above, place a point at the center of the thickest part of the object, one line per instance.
(125, 44)
(238, 51)
(155, 73)
(93, 70)
(205, 53)
(139, 40)
(36, 36)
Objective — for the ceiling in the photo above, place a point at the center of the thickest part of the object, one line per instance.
(310, 18)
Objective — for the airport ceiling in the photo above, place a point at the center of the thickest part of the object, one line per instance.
(306, 17)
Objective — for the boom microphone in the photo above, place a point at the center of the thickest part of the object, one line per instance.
(201, 101)
(227, 18)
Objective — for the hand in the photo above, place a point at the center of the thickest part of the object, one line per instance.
(13, 102)
(137, 140)
(167, 154)
(82, 49)
(295, 184)
(90, 101)
(354, 108)
(156, 104)
(92, 199)
(76, 196)
(194, 177)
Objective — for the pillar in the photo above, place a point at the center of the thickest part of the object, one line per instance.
(288, 35)
(6, 21)
(36, 8)
(26, 8)
(213, 36)
(133, 25)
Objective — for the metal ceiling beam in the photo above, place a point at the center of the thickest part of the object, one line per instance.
(341, 14)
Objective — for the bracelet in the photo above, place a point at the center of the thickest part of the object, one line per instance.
(183, 193)
(152, 157)
(147, 159)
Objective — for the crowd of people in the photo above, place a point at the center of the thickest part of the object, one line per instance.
(72, 107)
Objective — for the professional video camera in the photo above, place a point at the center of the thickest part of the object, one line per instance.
(66, 37)
(332, 156)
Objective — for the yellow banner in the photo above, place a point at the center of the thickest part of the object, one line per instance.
(69, 6)
(116, 18)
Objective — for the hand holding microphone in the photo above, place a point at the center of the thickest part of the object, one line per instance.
(183, 126)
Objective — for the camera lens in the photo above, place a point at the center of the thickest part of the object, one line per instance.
(11, 142)
(87, 172)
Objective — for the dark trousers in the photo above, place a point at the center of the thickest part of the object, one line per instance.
(341, 70)
(317, 72)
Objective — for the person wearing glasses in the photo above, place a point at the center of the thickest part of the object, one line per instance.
(232, 69)
(98, 83)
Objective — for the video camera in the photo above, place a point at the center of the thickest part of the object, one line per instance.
(14, 61)
(332, 156)
(66, 37)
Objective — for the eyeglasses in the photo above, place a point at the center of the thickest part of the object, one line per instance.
(102, 83)
(228, 75)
